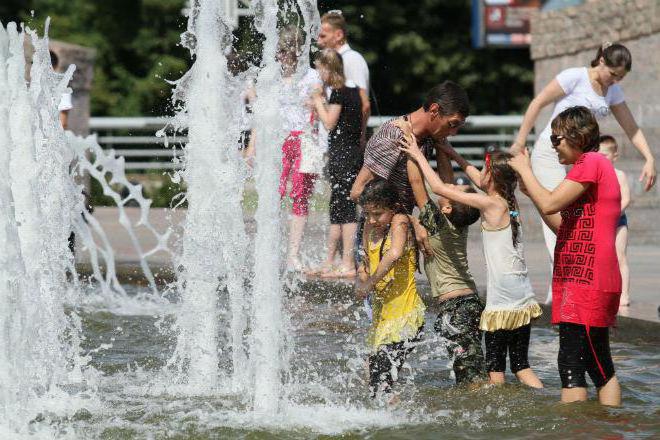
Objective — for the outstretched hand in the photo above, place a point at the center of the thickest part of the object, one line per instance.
(649, 174)
(409, 146)
(520, 162)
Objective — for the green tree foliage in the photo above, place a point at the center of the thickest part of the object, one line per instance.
(412, 45)
(137, 48)
(409, 45)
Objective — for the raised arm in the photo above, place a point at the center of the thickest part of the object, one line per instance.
(626, 120)
(551, 93)
(479, 201)
(470, 170)
(547, 202)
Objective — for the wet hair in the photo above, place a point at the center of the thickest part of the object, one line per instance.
(450, 97)
(291, 40)
(506, 181)
(608, 140)
(54, 59)
(336, 20)
(381, 193)
(463, 215)
(332, 61)
(615, 55)
(580, 128)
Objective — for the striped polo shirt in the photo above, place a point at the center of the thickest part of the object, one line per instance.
(383, 157)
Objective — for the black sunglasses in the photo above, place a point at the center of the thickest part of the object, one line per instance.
(555, 139)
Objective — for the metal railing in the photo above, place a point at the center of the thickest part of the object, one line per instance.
(135, 139)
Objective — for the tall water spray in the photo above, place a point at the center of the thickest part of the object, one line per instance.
(268, 331)
(214, 241)
(39, 348)
(214, 244)
(41, 203)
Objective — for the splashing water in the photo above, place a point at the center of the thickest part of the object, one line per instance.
(214, 241)
(43, 372)
(39, 353)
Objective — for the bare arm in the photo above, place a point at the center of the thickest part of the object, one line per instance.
(366, 112)
(64, 119)
(363, 268)
(328, 113)
(421, 198)
(364, 176)
(625, 189)
(472, 172)
(627, 122)
(417, 183)
(399, 231)
(551, 93)
(479, 201)
(547, 202)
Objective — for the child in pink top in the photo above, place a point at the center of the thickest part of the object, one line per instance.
(583, 211)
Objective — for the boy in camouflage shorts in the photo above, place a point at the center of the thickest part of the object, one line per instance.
(450, 278)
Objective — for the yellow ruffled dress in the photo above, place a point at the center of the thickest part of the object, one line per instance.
(398, 310)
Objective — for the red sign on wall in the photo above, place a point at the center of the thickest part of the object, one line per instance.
(502, 22)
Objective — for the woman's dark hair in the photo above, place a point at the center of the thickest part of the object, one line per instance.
(615, 55)
(451, 98)
(506, 180)
(580, 128)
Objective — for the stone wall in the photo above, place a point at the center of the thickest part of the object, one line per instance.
(81, 83)
(570, 37)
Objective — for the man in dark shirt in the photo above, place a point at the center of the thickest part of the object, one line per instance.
(444, 111)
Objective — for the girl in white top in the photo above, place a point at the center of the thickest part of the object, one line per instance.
(510, 301)
(596, 88)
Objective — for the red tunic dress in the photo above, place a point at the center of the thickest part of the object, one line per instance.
(586, 283)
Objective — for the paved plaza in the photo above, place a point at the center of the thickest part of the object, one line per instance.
(644, 258)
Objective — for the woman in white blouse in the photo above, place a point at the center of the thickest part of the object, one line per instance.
(595, 87)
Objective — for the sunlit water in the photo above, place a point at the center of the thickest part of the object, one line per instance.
(327, 393)
(227, 352)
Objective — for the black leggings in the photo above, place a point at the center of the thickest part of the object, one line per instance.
(582, 351)
(515, 341)
(386, 363)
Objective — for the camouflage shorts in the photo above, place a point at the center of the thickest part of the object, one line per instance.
(458, 323)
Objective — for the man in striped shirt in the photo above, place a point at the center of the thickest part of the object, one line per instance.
(444, 111)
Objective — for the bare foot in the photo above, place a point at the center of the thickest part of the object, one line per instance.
(320, 271)
(342, 272)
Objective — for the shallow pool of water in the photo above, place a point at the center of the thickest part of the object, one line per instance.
(326, 388)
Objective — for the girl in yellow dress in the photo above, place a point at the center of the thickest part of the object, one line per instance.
(389, 272)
